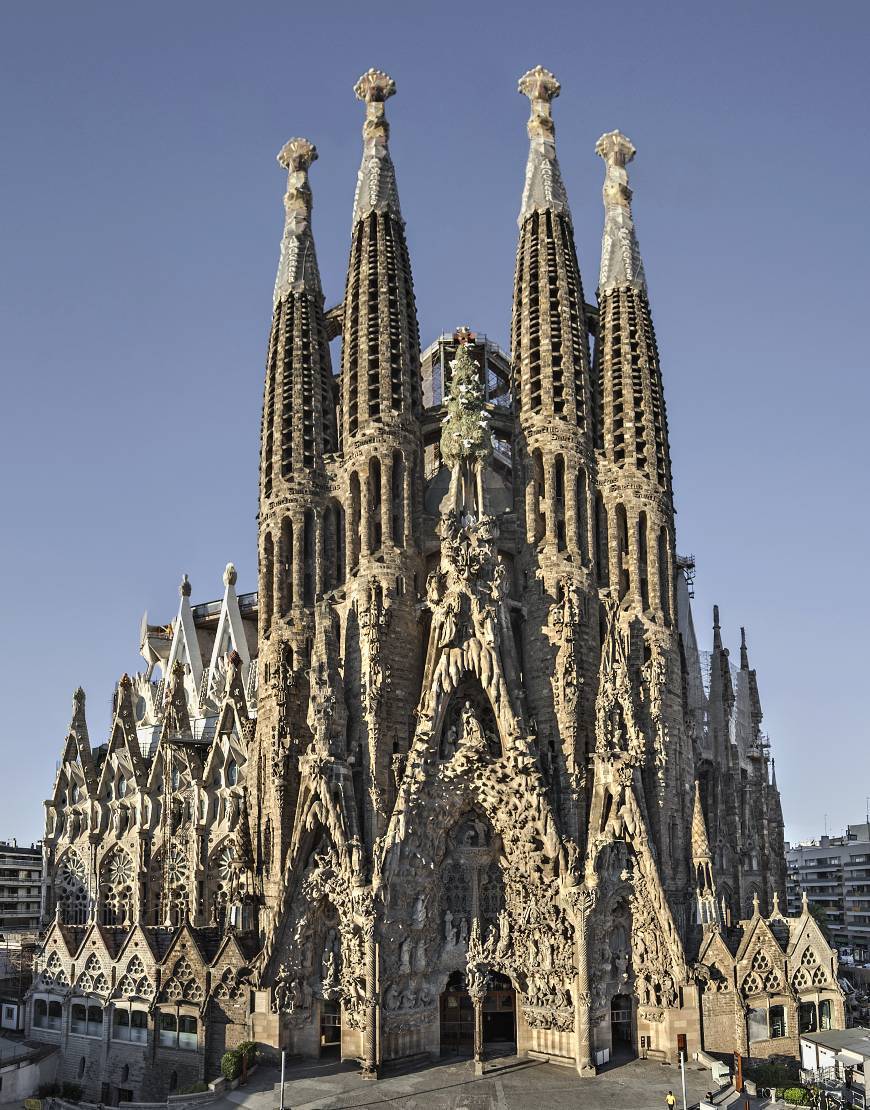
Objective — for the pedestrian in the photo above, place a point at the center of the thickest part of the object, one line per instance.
(670, 1100)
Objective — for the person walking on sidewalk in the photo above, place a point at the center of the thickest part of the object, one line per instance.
(670, 1101)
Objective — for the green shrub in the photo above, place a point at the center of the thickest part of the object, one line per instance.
(72, 1092)
(196, 1089)
(46, 1090)
(796, 1096)
(231, 1064)
(249, 1050)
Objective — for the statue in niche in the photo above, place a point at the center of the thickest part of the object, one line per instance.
(419, 912)
(466, 441)
(472, 733)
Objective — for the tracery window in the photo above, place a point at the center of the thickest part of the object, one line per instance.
(130, 1025)
(70, 889)
(116, 888)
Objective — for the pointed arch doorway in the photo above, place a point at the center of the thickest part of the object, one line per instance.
(499, 1017)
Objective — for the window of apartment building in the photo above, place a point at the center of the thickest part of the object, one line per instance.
(86, 1021)
(177, 1031)
(47, 1013)
(130, 1025)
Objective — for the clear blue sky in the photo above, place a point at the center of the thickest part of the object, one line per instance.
(140, 216)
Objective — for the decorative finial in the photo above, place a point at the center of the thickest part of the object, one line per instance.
(755, 904)
(374, 87)
(297, 155)
(542, 88)
(620, 256)
(184, 589)
(78, 698)
(776, 901)
(744, 654)
(230, 575)
(125, 683)
(464, 336)
(717, 632)
(805, 902)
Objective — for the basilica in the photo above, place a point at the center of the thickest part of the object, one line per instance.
(457, 777)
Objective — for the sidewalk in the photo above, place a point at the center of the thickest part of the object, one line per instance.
(510, 1083)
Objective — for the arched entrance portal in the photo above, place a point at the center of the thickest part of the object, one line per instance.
(457, 1017)
(499, 1016)
(622, 1027)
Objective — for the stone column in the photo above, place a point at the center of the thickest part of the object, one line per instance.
(477, 991)
(370, 1039)
(582, 903)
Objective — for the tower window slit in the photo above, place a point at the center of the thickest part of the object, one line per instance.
(602, 543)
(286, 562)
(398, 498)
(374, 521)
(268, 580)
(582, 516)
(355, 522)
(664, 574)
(642, 559)
(622, 551)
(308, 551)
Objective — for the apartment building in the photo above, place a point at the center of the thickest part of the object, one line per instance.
(20, 886)
(834, 872)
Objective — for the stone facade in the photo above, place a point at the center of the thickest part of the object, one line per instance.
(458, 773)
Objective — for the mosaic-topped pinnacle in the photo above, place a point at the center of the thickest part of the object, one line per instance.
(620, 256)
(376, 184)
(297, 266)
(544, 189)
(375, 86)
(297, 155)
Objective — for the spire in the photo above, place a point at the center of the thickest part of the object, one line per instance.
(620, 255)
(717, 631)
(380, 372)
(544, 188)
(376, 183)
(298, 426)
(632, 428)
(550, 347)
(297, 266)
(700, 843)
(744, 653)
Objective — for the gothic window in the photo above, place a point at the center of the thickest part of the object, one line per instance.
(221, 875)
(457, 889)
(491, 893)
(582, 517)
(664, 574)
(538, 521)
(86, 1021)
(354, 532)
(807, 1022)
(232, 773)
(776, 1019)
(825, 1014)
(622, 568)
(70, 889)
(642, 559)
